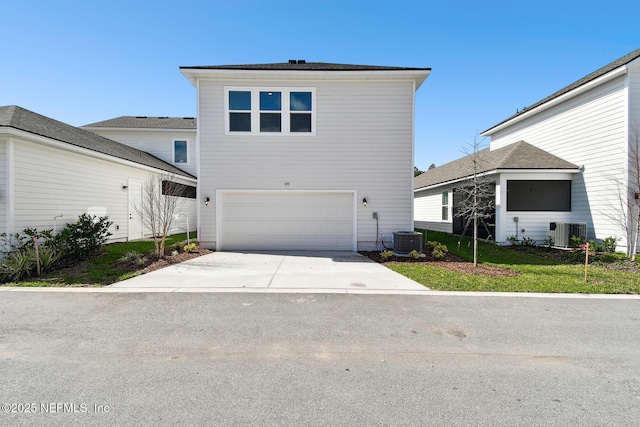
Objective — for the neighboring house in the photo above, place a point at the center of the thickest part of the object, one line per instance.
(303, 155)
(51, 172)
(583, 135)
(172, 139)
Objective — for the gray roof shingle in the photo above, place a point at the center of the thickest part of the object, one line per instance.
(520, 155)
(19, 118)
(586, 79)
(144, 122)
(301, 65)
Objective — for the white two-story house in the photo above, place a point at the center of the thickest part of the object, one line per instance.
(303, 155)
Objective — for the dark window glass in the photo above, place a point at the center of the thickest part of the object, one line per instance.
(445, 198)
(270, 101)
(270, 122)
(545, 195)
(180, 151)
(300, 101)
(170, 188)
(240, 122)
(300, 122)
(239, 100)
(445, 213)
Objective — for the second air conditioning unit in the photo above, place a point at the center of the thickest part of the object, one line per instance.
(562, 232)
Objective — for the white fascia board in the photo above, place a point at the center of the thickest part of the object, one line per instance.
(17, 133)
(193, 74)
(560, 99)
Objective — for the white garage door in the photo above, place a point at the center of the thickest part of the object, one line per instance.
(287, 220)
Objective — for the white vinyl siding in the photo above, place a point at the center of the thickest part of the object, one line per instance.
(589, 130)
(51, 181)
(363, 142)
(428, 210)
(159, 143)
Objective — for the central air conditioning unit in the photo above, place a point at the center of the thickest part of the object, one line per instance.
(407, 241)
(561, 232)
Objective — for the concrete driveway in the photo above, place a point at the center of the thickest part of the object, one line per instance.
(282, 271)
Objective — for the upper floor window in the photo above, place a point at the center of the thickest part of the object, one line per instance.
(270, 110)
(180, 151)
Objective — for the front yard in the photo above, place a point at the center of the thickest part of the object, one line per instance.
(117, 261)
(523, 270)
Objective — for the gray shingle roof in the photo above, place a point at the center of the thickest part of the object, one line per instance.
(301, 65)
(586, 79)
(144, 122)
(520, 155)
(19, 118)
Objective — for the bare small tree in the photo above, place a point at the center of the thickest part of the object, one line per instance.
(627, 214)
(161, 202)
(478, 193)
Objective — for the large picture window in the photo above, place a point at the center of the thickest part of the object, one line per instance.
(270, 110)
(537, 196)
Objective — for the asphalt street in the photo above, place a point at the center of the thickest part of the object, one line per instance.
(317, 359)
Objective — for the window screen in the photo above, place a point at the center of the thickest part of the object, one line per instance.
(544, 195)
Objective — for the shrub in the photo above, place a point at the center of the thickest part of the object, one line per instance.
(513, 240)
(528, 242)
(548, 242)
(83, 238)
(576, 241)
(414, 254)
(48, 258)
(17, 265)
(191, 247)
(438, 250)
(609, 244)
(386, 255)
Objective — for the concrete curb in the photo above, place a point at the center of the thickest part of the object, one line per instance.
(426, 292)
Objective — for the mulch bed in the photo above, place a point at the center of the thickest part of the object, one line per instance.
(449, 262)
(158, 263)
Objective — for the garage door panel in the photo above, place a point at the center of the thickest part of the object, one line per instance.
(294, 221)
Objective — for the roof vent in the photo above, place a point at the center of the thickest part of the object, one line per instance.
(292, 61)
(302, 61)
(188, 118)
(141, 117)
(297, 61)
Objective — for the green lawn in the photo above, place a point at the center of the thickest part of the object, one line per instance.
(99, 271)
(538, 272)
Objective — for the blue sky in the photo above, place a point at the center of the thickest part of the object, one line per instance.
(82, 62)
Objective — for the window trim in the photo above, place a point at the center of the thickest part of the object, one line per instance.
(173, 150)
(445, 206)
(285, 111)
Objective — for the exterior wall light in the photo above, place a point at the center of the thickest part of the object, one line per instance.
(364, 201)
(207, 201)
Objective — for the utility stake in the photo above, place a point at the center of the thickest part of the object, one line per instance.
(586, 261)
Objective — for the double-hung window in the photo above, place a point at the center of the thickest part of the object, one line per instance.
(270, 111)
(180, 151)
(445, 206)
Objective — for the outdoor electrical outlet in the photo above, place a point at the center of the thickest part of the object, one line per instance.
(375, 215)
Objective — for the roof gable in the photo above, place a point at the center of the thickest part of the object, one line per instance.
(520, 155)
(581, 82)
(19, 118)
